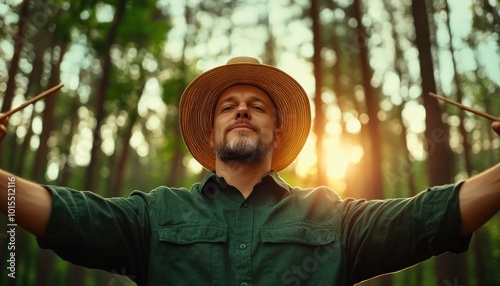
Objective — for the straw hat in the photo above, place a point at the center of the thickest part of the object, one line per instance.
(197, 105)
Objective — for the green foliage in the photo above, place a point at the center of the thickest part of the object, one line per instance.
(145, 26)
(161, 46)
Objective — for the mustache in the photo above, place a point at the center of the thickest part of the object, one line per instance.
(241, 122)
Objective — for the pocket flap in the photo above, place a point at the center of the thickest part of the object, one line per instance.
(187, 234)
(302, 233)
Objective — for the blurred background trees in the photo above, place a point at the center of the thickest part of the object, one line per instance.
(367, 66)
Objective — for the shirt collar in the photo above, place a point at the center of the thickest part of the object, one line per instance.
(272, 180)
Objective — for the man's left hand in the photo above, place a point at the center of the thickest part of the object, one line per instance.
(496, 127)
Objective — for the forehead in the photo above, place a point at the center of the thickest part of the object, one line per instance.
(246, 93)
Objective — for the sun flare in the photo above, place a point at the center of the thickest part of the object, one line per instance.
(339, 156)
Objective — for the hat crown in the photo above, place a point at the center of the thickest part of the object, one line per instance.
(243, 60)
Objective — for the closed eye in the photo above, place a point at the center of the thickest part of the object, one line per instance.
(227, 108)
(257, 107)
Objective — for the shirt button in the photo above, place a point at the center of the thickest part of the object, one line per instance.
(243, 246)
(244, 284)
(245, 205)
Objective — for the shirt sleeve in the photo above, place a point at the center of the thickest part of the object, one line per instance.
(389, 235)
(111, 234)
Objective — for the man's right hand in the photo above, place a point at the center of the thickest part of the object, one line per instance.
(3, 126)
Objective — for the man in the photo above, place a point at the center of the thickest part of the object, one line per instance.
(242, 224)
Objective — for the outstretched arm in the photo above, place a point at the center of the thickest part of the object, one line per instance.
(32, 202)
(480, 197)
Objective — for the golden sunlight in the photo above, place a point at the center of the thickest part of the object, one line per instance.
(340, 157)
(306, 161)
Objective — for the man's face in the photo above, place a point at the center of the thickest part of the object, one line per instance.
(245, 125)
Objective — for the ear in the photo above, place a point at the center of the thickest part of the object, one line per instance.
(278, 135)
(209, 134)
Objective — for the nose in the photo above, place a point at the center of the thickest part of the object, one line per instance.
(242, 112)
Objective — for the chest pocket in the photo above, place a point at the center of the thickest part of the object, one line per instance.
(195, 249)
(300, 252)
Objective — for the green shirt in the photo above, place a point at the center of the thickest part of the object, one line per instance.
(279, 235)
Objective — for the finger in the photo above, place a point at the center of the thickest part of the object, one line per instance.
(496, 127)
(4, 119)
(3, 131)
(3, 125)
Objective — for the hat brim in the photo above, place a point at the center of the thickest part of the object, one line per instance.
(196, 109)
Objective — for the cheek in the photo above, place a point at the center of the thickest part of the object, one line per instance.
(217, 128)
(216, 136)
(267, 134)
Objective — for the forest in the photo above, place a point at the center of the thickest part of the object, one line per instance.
(367, 67)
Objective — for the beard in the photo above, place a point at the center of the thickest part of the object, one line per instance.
(242, 148)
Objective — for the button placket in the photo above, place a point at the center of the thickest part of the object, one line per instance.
(243, 239)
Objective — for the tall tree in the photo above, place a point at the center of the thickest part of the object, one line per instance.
(40, 44)
(173, 91)
(440, 156)
(48, 115)
(269, 56)
(100, 96)
(127, 89)
(373, 152)
(460, 94)
(14, 62)
(46, 258)
(405, 169)
(478, 241)
(133, 115)
(319, 115)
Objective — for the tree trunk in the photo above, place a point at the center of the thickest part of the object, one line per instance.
(48, 119)
(93, 167)
(270, 45)
(406, 168)
(176, 163)
(14, 63)
(44, 43)
(117, 190)
(66, 147)
(46, 258)
(436, 132)
(480, 265)
(440, 156)
(319, 116)
(373, 152)
(352, 175)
